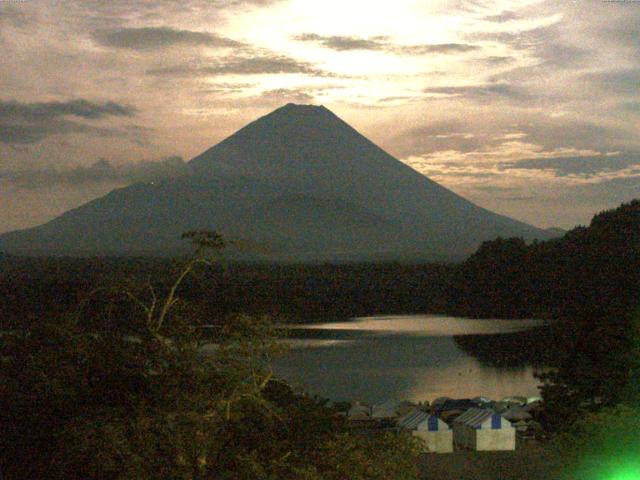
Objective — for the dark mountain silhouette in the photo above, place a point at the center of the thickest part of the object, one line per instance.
(297, 184)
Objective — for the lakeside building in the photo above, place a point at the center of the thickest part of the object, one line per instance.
(472, 424)
(482, 429)
(437, 435)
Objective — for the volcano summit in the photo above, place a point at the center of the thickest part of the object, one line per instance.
(299, 184)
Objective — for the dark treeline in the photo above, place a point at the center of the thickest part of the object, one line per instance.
(31, 288)
(591, 271)
(508, 350)
(588, 284)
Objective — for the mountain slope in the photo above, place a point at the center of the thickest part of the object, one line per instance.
(301, 183)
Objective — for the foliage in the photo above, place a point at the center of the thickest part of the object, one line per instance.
(129, 386)
(32, 288)
(601, 445)
(484, 285)
(377, 457)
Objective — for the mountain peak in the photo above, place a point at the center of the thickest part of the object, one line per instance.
(301, 110)
(303, 107)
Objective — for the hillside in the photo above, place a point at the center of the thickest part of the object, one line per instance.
(592, 272)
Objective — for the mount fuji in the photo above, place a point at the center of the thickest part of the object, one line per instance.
(298, 184)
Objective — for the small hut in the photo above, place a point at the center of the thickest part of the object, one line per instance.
(436, 434)
(406, 406)
(483, 429)
(359, 412)
(516, 413)
(385, 410)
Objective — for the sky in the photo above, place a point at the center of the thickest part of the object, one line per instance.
(530, 108)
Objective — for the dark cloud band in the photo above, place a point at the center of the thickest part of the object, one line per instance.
(24, 123)
(33, 112)
(260, 65)
(348, 43)
(101, 171)
(586, 166)
(150, 38)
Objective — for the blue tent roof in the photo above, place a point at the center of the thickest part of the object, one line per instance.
(419, 420)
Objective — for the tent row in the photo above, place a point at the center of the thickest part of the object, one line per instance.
(476, 429)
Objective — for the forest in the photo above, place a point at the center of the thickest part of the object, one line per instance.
(31, 288)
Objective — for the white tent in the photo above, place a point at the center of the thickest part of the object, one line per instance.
(436, 434)
(483, 429)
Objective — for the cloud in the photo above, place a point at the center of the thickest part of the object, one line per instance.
(487, 91)
(34, 112)
(496, 60)
(226, 88)
(32, 133)
(504, 16)
(342, 43)
(622, 30)
(435, 48)
(24, 123)
(15, 16)
(546, 43)
(585, 166)
(163, 8)
(577, 133)
(348, 43)
(631, 106)
(101, 171)
(258, 65)
(150, 38)
(622, 81)
(282, 96)
(612, 191)
(438, 136)
(268, 99)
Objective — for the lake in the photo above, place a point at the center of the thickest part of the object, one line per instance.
(414, 357)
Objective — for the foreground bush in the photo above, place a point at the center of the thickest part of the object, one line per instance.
(129, 387)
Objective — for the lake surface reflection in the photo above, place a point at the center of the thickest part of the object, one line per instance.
(372, 359)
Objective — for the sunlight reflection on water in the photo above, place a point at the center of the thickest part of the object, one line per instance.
(373, 359)
(431, 325)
